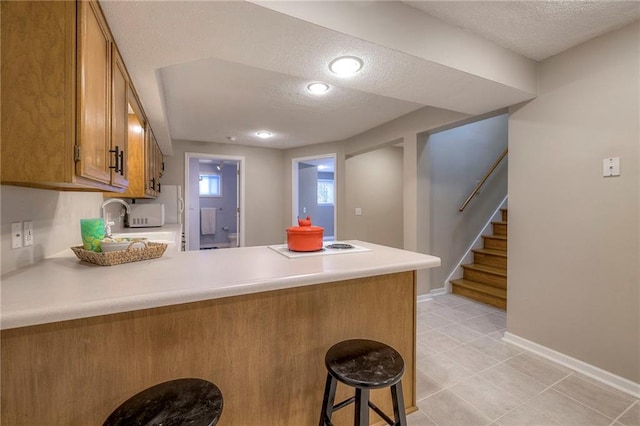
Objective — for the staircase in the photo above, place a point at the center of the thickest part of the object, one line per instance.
(485, 280)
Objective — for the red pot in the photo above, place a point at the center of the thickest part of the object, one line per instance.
(304, 237)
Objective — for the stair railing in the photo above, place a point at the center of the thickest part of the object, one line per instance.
(484, 179)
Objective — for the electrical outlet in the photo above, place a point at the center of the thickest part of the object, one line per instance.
(27, 231)
(16, 235)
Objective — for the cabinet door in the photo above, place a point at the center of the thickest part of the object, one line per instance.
(94, 72)
(151, 182)
(119, 121)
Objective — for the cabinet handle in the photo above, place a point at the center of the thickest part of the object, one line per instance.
(153, 183)
(115, 151)
(159, 187)
(121, 155)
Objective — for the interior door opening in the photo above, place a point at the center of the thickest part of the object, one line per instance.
(314, 192)
(214, 199)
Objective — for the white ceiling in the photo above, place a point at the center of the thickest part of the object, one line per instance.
(535, 29)
(211, 70)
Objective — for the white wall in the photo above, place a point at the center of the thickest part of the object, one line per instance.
(574, 236)
(264, 196)
(458, 160)
(56, 221)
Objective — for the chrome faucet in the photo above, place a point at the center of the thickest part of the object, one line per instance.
(104, 214)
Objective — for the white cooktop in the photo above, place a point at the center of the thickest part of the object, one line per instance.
(283, 250)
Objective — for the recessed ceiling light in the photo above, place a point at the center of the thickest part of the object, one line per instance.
(264, 134)
(318, 88)
(346, 66)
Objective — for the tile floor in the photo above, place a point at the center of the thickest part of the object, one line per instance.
(467, 376)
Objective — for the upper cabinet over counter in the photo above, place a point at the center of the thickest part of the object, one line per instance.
(66, 98)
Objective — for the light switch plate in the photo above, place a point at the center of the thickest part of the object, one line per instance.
(358, 211)
(611, 167)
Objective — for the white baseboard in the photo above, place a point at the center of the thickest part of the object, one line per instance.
(438, 291)
(610, 379)
(424, 297)
(431, 294)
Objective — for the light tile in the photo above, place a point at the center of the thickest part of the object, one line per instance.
(461, 313)
(425, 385)
(494, 348)
(430, 306)
(608, 388)
(446, 409)
(470, 358)
(421, 325)
(525, 416)
(543, 371)
(593, 396)
(422, 349)
(488, 399)
(434, 320)
(444, 370)
(497, 335)
(419, 419)
(460, 333)
(437, 341)
(566, 411)
(470, 310)
(485, 324)
(450, 300)
(632, 416)
(519, 385)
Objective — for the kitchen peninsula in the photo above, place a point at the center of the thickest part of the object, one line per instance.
(78, 339)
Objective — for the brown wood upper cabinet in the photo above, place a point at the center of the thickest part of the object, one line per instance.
(154, 165)
(142, 157)
(64, 98)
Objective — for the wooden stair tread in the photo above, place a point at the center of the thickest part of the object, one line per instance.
(496, 237)
(493, 252)
(484, 268)
(499, 222)
(482, 288)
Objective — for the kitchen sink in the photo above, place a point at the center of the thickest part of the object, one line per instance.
(171, 236)
(156, 237)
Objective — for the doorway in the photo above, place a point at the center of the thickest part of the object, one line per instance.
(314, 192)
(214, 199)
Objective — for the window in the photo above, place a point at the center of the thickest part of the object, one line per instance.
(325, 192)
(210, 185)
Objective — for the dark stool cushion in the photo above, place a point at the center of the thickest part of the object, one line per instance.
(195, 402)
(364, 363)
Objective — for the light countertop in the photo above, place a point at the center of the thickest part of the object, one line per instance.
(62, 288)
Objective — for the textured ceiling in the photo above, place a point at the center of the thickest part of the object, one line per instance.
(210, 70)
(536, 29)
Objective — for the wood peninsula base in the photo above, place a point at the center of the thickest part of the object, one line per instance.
(264, 350)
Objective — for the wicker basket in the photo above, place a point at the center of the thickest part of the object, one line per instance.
(151, 251)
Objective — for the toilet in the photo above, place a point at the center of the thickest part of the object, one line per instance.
(233, 240)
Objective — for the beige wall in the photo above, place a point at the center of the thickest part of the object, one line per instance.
(56, 221)
(264, 196)
(374, 183)
(574, 273)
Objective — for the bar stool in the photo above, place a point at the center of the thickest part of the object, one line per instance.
(364, 365)
(195, 402)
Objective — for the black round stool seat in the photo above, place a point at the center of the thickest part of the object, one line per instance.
(364, 363)
(193, 402)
